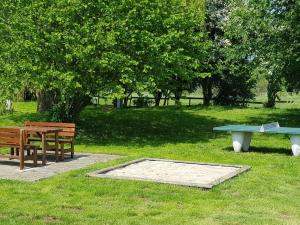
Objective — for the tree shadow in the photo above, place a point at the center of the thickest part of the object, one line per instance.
(20, 118)
(286, 118)
(135, 127)
(142, 127)
(159, 126)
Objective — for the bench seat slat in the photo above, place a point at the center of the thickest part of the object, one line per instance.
(8, 145)
(52, 140)
(9, 135)
(10, 140)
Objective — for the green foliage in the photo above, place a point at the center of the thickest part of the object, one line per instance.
(80, 48)
(235, 84)
(268, 35)
(85, 47)
(142, 101)
(291, 34)
(231, 76)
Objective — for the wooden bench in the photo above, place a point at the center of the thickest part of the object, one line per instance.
(64, 137)
(14, 139)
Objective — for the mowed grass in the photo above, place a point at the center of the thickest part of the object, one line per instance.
(267, 194)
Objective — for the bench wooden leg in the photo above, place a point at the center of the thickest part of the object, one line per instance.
(62, 150)
(35, 157)
(12, 152)
(56, 155)
(72, 150)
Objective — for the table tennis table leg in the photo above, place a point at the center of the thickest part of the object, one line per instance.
(295, 140)
(241, 140)
(247, 141)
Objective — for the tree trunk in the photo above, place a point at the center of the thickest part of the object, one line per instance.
(69, 108)
(119, 103)
(166, 93)
(274, 86)
(126, 99)
(271, 97)
(178, 94)
(8, 105)
(157, 96)
(206, 84)
(77, 104)
(46, 100)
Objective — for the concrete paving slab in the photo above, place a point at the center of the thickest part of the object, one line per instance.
(9, 169)
(204, 175)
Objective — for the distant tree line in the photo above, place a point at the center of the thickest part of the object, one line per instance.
(65, 52)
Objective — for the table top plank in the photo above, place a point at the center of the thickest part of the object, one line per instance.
(45, 130)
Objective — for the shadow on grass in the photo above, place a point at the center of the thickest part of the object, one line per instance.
(159, 126)
(286, 118)
(141, 127)
(263, 150)
(20, 118)
(267, 150)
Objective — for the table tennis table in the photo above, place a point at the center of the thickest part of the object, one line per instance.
(242, 135)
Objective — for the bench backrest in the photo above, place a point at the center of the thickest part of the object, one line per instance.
(68, 128)
(11, 137)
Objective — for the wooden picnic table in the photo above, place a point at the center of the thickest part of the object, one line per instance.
(42, 132)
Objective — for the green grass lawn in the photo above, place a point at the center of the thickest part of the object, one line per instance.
(267, 194)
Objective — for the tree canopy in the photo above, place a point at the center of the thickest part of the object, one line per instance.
(77, 48)
(68, 51)
(270, 39)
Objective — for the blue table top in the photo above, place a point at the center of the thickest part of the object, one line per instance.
(252, 129)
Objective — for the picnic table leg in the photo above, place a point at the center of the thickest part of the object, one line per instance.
(22, 158)
(295, 140)
(241, 140)
(44, 149)
(56, 147)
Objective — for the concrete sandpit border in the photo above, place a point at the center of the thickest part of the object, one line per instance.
(103, 173)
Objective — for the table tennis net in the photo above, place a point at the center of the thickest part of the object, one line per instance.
(269, 126)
